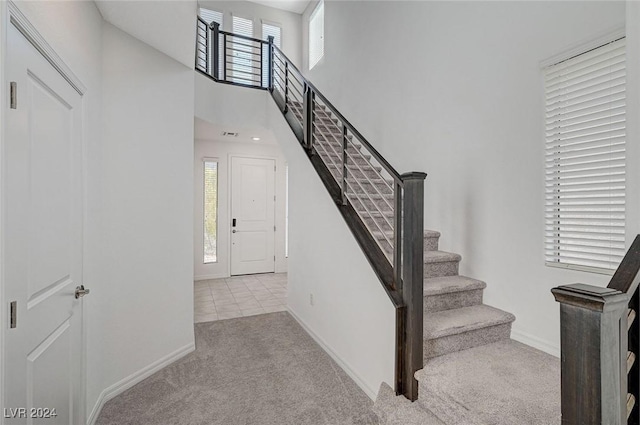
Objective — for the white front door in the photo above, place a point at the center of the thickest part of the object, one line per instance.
(252, 215)
(42, 259)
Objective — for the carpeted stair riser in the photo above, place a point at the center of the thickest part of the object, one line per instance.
(431, 243)
(462, 341)
(334, 159)
(450, 301)
(445, 268)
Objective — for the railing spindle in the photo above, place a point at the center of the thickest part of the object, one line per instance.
(286, 87)
(270, 64)
(345, 142)
(215, 27)
(633, 376)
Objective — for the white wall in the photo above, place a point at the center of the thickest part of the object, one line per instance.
(351, 316)
(290, 22)
(456, 92)
(223, 151)
(143, 307)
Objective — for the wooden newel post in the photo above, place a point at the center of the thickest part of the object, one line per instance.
(593, 343)
(411, 287)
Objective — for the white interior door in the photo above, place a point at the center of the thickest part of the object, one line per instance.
(42, 240)
(253, 213)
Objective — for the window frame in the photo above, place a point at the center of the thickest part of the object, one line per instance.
(576, 50)
(206, 160)
(316, 10)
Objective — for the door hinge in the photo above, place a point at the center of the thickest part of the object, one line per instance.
(13, 314)
(274, 228)
(13, 94)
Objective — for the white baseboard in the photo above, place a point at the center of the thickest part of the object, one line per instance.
(128, 382)
(211, 276)
(348, 370)
(535, 342)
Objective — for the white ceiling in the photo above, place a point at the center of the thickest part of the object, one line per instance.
(204, 130)
(297, 6)
(168, 26)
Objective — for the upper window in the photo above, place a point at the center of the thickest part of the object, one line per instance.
(244, 53)
(209, 16)
(585, 159)
(276, 32)
(316, 35)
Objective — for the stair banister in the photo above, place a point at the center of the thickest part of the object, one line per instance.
(397, 259)
(599, 347)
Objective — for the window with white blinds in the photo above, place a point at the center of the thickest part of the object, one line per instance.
(585, 159)
(276, 32)
(243, 55)
(242, 26)
(316, 35)
(210, 16)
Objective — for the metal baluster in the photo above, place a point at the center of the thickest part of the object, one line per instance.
(270, 64)
(397, 233)
(344, 164)
(224, 56)
(216, 50)
(286, 86)
(634, 372)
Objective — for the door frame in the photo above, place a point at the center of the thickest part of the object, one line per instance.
(10, 14)
(229, 199)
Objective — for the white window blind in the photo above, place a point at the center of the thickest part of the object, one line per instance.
(243, 57)
(276, 32)
(209, 16)
(242, 26)
(316, 35)
(585, 159)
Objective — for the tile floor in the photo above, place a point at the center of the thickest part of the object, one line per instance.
(239, 296)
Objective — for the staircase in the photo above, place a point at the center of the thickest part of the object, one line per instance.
(474, 373)
(450, 346)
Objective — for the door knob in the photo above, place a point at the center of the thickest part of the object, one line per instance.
(233, 231)
(81, 292)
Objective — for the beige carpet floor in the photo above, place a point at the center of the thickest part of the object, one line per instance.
(258, 370)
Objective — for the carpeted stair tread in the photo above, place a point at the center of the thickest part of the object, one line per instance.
(461, 320)
(451, 284)
(431, 234)
(431, 257)
(504, 383)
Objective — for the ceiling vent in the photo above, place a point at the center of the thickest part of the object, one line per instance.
(230, 134)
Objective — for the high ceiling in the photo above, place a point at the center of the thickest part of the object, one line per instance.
(169, 28)
(297, 6)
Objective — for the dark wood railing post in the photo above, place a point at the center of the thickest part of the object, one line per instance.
(411, 287)
(593, 342)
(215, 30)
(270, 63)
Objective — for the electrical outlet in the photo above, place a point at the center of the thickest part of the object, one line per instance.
(311, 299)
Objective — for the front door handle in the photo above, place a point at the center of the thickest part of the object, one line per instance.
(81, 292)
(233, 231)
